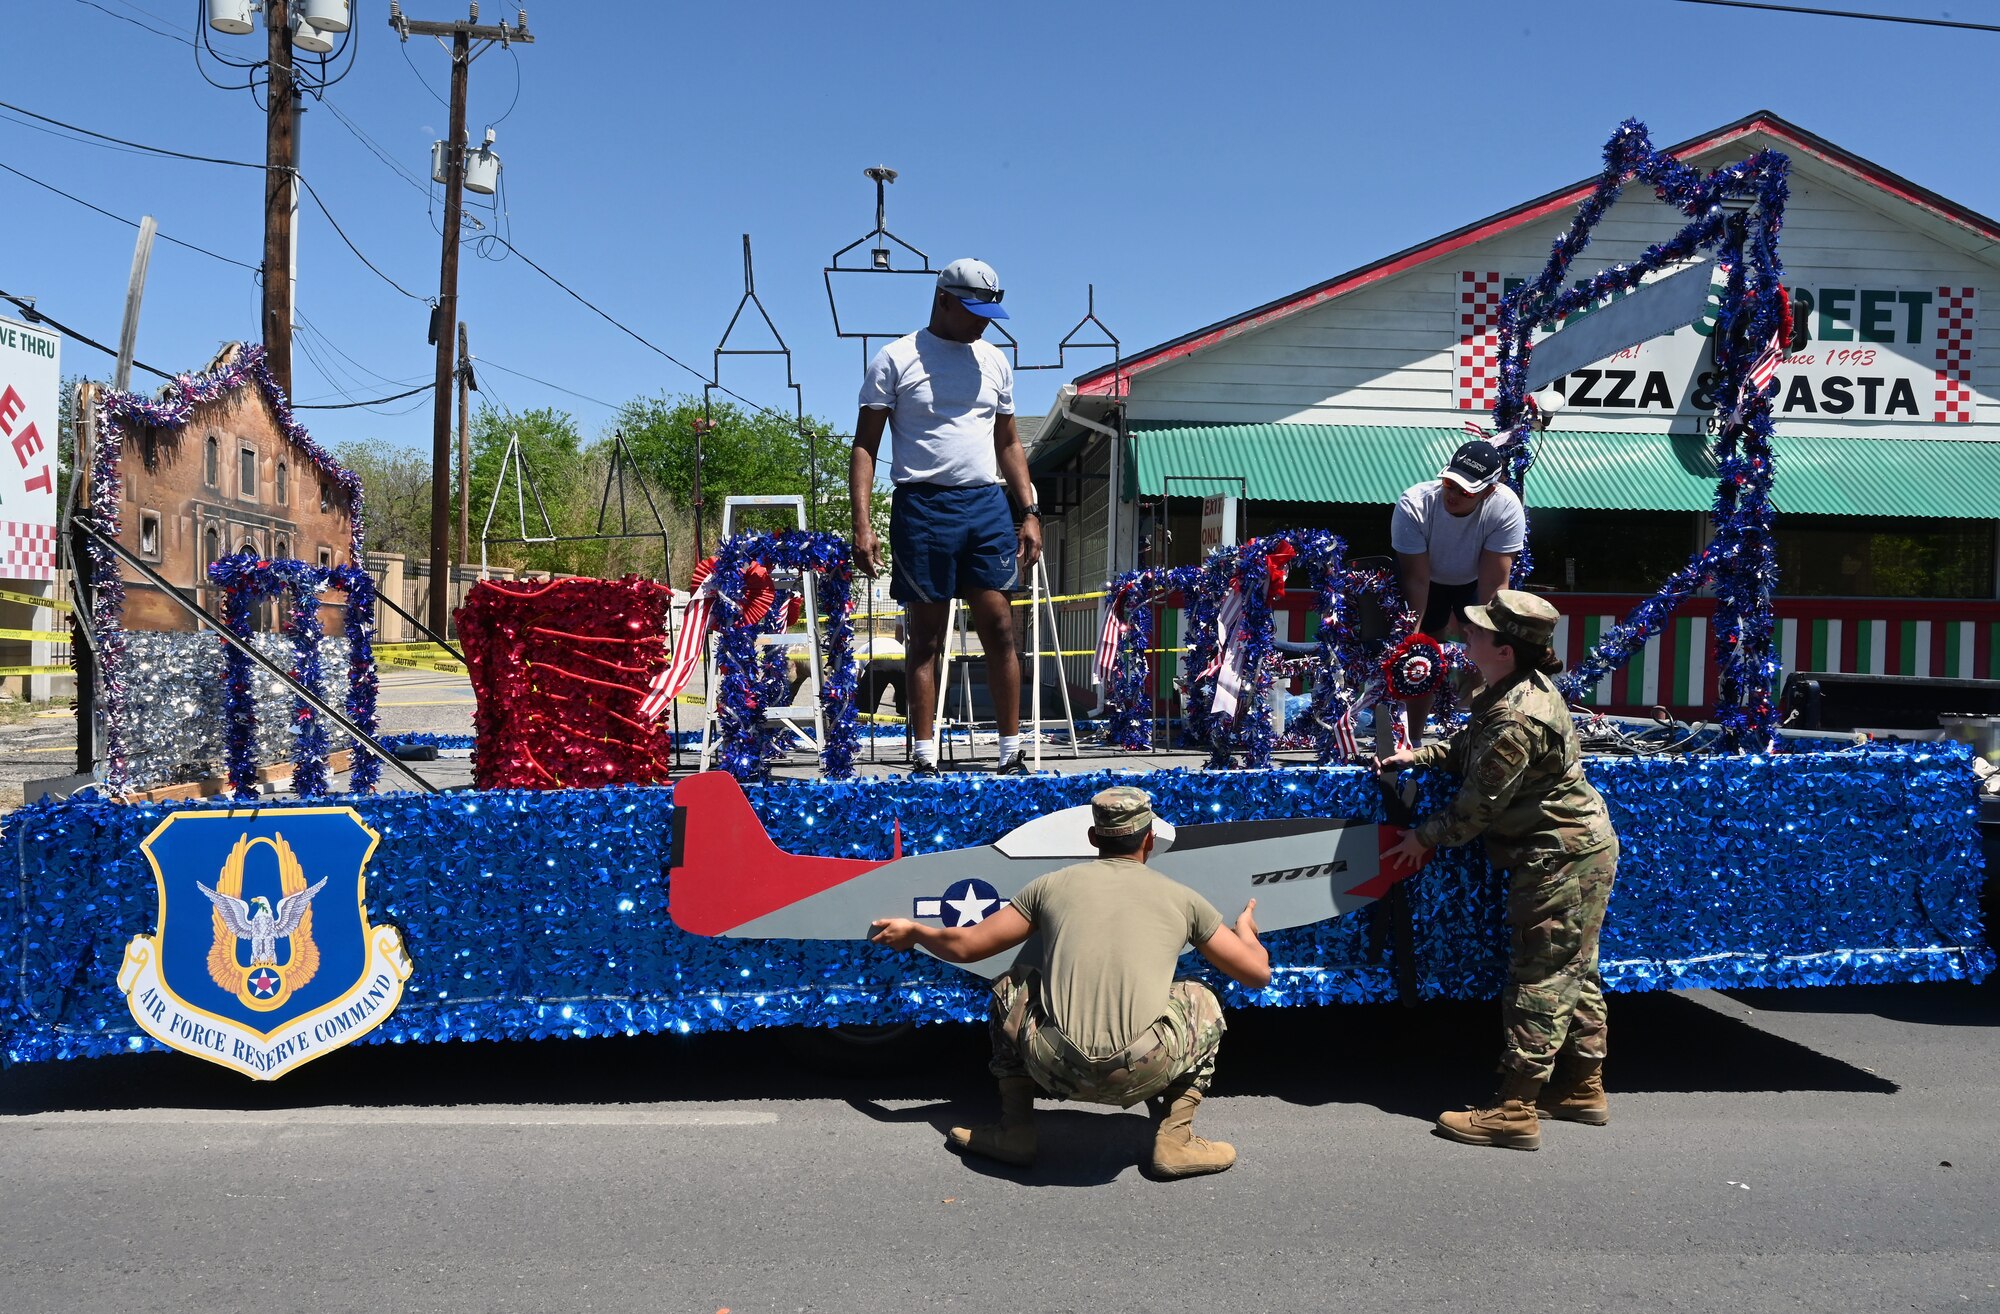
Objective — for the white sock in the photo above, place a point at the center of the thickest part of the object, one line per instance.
(1009, 745)
(925, 751)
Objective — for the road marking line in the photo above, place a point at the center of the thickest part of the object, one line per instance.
(466, 1116)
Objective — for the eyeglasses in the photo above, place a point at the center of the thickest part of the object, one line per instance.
(978, 294)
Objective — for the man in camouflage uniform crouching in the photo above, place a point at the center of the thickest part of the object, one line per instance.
(1525, 792)
(1096, 1015)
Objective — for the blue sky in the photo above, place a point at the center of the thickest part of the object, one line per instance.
(1189, 160)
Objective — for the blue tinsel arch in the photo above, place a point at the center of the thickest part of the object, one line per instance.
(748, 685)
(246, 580)
(1345, 665)
(1741, 562)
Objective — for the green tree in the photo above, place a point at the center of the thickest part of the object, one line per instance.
(396, 493)
(745, 453)
(551, 449)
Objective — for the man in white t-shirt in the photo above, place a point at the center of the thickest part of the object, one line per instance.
(963, 523)
(1456, 538)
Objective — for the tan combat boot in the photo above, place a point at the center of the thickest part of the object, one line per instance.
(1177, 1151)
(1012, 1139)
(1509, 1123)
(1575, 1094)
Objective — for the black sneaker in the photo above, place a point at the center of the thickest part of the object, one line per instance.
(924, 769)
(1016, 765)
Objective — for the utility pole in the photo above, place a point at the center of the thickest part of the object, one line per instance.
(281, 184)
(467, 385)
(462, 54)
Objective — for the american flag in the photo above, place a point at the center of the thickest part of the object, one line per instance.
(1107, 642)
(1226, 617)
(1229, 681)
(1343, 737)
(1476, 431)
(688, 647)
(1766, 364)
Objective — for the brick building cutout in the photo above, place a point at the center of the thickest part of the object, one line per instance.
(232, 478)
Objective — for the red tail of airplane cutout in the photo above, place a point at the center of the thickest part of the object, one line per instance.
(726, 870)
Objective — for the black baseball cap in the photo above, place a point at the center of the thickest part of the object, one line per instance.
(1475, 467)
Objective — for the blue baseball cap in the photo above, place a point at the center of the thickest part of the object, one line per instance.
(975, 286)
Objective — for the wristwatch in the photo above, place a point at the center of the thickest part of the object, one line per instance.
(1032, 509)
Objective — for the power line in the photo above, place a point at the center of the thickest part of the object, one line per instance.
(129, 223)
(1847, 13)
(633, 333)
(375, 148)
(131, 145)
(487, 363)
(240, 164)
(333, 346)
(37, 317)
(404, 46)
(577, 296)
(377, 401)
(72, 140)
(515, 56)
(310, 191)
(112, 13)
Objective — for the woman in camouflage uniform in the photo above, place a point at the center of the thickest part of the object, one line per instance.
(1525, 793)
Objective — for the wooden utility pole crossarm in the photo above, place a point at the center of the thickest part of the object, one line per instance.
(462, 36)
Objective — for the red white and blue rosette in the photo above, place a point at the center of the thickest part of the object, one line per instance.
(1414, 667)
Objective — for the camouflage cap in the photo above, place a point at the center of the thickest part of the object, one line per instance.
(1122, 810)
(1516, 615)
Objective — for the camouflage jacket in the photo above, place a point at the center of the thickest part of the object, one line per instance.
(1524, 788)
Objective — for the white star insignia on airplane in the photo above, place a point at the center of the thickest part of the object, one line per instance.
(972, 908)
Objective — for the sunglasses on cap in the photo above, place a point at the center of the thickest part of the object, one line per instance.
(993, 297)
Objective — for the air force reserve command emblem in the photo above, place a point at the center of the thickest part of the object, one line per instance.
(264, 958)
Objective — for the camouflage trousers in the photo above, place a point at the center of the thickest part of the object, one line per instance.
(1181, 1045)
(1554, 1001)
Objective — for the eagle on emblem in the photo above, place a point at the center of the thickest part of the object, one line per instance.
(255, 920)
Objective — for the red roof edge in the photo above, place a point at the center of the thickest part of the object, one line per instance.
(1115, 379)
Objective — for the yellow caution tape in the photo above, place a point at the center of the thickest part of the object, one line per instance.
(47, 636)
(414, 650)
(30, 600)
(445, 664)
(37, 670)
(697, 700)
(1065, 597)
(1092, 652)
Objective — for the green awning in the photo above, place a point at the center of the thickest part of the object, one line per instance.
(1574, 470)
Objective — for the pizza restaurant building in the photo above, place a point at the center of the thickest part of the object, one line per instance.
(1319, 409)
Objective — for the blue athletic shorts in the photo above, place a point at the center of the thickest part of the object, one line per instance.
(944, 541)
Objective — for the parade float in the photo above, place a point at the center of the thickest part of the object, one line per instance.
(582, 890)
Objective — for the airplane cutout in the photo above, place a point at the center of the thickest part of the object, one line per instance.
(727, 878)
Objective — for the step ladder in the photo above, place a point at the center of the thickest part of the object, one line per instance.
(1040, 604)
(804, 721)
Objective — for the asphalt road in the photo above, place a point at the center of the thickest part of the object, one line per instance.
(1803, 1150)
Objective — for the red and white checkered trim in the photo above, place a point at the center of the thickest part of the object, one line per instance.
(30, 551)
(1956, 313)
(1477, 377)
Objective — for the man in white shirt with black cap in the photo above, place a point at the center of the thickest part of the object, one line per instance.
(1456, 538)
(962, 523)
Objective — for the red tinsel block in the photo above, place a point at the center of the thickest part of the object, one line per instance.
(559, 670)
